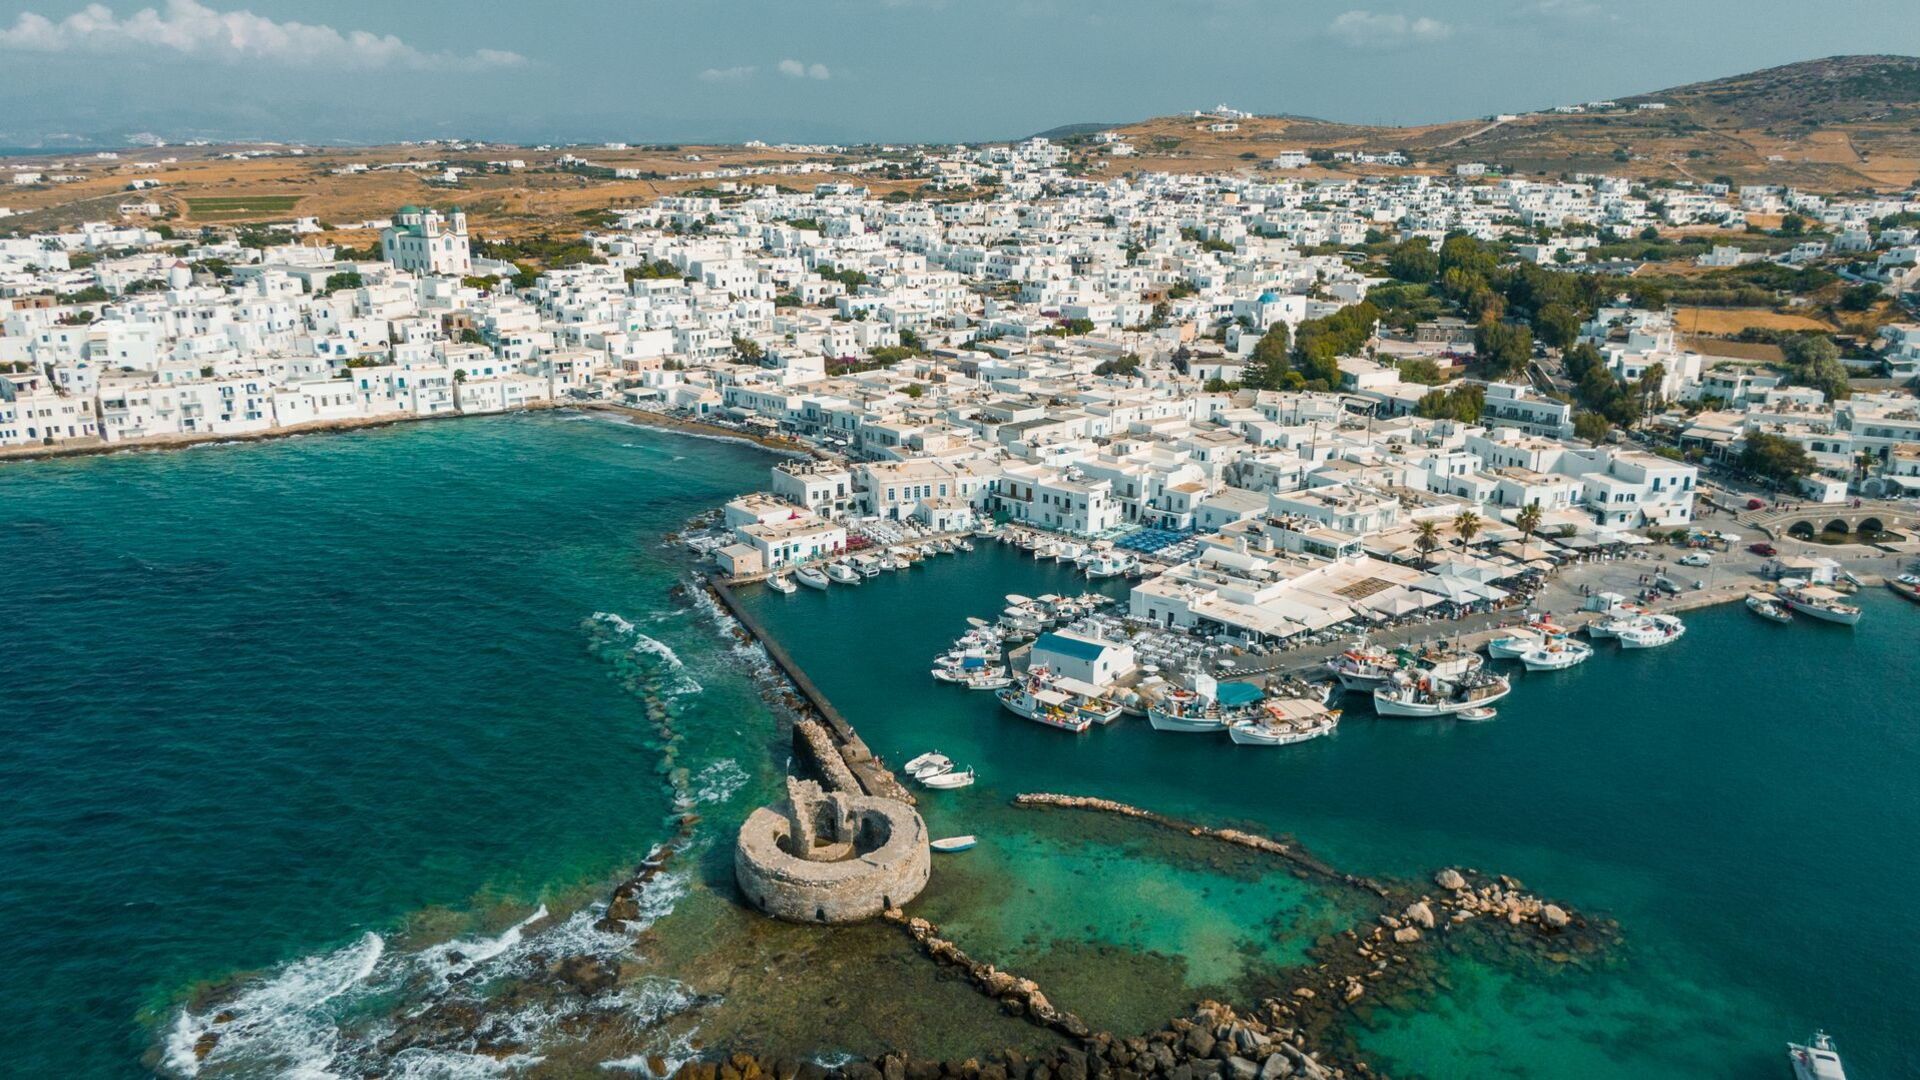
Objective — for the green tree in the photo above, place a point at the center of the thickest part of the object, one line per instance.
(1774, 457)
(1557, 325)
(1466, 526)
(1591, 426)
(1504, 348)
(748, 349)
(1528, 521)
(1421, 370)
(1220, 386)
(1814, 360)
(1426, 537)
(1414, 261)
(1271, 362)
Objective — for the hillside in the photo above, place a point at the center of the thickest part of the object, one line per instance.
(1840, 123)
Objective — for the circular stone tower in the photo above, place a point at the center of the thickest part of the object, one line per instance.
(831, 858)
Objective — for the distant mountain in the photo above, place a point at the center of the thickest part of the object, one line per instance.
(1834, 90)
(1066, 131)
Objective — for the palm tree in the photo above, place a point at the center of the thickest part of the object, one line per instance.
(1465, 525)
(1528, 522)
(1426, 537)
(1864, 461)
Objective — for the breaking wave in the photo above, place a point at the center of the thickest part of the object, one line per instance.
(674, 677)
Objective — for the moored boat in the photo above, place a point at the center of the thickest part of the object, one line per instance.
(1769, 607)
(1284, 722)
(1430, 696)
(781, 583)
(1478, 713)
(1906, 586)
(931, 757)
(842, 573)
(948, 781)
(1820, 603)
(1556, 654)
(1652, 631)
(950, 844)
(812, 577)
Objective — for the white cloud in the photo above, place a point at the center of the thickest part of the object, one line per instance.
(728, 74)
(794, 69)
(1576, 10)
(1366, 30)
(189, 28)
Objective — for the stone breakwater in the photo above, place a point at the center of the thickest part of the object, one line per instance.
(1022, 997)
(1265, 844)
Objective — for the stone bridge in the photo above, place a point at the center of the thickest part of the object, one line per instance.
(1807, 520)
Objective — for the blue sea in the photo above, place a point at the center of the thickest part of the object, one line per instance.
(301, 729)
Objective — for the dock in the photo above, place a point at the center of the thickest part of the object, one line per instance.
(824, 739)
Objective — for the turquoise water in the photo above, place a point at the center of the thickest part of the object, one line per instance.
(262, 700)
(1742, 801)
(309, 707)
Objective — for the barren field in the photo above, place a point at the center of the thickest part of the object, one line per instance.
(1725, 322)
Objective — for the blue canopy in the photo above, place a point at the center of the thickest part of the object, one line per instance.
(1234, 694)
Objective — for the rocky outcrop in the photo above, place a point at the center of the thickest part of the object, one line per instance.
(1022, 996)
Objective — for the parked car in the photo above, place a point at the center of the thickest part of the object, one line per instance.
(1695, 558)
(1756, 504)
(1763, 548)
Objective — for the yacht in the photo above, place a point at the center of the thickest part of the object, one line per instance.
(1556, 654)
(1652, 631)
(1769, 607)
(781, 583)
(1430, 695)
(1820, 603)
(1284, 722)
(842, 573)
(811, 577)
(1817, 1060)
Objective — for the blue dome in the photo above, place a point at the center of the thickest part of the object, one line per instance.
(1269, 297)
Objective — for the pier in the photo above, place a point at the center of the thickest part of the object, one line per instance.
(850, 752)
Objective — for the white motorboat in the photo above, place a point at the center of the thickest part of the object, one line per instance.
(1556, 654)
(1478, 713)
(1821, 603)
(1106, 565)
(812, 577)
(1769, 607)
(1429, 696)
(1069, 552)
(1818, 1059)
(781, 583)
(842, 573)
(950, 844)
(1652, 631)
(948, 781)
(1364, 667)
(931, 757)
(1515, 643)
(867, 565)
(963, 544)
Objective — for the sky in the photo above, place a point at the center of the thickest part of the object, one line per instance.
(859, 70)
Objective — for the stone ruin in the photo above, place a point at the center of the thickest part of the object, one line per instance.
(831, 857)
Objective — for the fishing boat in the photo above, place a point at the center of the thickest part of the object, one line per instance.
(781, 583)
(1364, 667)
(811, 577)
(1769, 608)
(963, 543)
(1207, 707)
(1284, 722)
(1818, 1059)
(842, 573)
(1907, 586)
(867, 565)
(1652, 631)
(949, 845)
(1556, 654)
(1069, 552)
(1106, 565)
(1614, 623)
(948, 781)
(1478, 713)
(1820, 603)
(1429, 695)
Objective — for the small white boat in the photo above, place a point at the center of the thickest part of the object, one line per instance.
(963, 544)
(781, 583)
(1556, 654)
(1819, 1059)
(1652, 632)
(1515, 643)
(1820, 603)
(867, 565)
(1769, 608)
(1479, 713)
(842, 573)
(1431, 696)
(948, 781)
(951, 844)
(1107, 565)
(811, 577)
(931, 757)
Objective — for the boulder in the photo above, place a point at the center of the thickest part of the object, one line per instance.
(1406, 934)
(1199, 1044)
(1276, 1067)
(1553, 915)
(1419, 914)
(1239, 1068)
(1450, 880)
